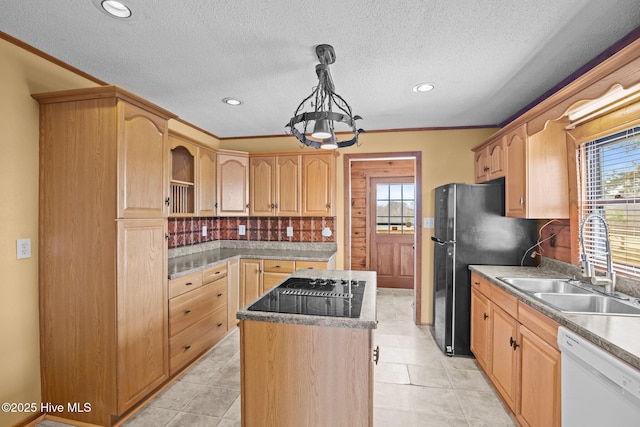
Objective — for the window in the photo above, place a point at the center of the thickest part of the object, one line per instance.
(609, 185)
(395, 207)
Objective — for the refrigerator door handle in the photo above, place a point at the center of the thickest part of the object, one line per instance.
(442, 242)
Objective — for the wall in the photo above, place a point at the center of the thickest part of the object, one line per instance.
(446, 157)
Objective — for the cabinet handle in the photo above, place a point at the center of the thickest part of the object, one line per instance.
(376, 355)
(329, 205)
(187, 311)
(167, 201)
(219, 324)
(166, 236)
(247, 205)
(486, 169)
(513, 343)
(259, 270)
(485, 316)
(521, 201)
(277, 266)
(476, 283)
(219, 295)
(188, 284)
(273, 206)
(276, 206)
(217, 272)
(187, 347)
(215, 205)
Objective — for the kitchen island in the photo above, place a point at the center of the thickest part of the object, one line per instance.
(305, 369)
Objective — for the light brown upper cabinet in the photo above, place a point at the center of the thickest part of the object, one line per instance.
(534, 167)
(182, 183)
(490, 161)
(318, 184)
(233, 184)
(206, 182)
(537, 177)
(275, 185)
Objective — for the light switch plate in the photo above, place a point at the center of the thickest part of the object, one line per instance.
(23, 248)
(289, 231)
(427, 222)
(204, 230)
(242, 229)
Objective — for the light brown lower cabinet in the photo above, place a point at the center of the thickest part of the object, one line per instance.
(198, 316)
(516, 347)
(303, 375)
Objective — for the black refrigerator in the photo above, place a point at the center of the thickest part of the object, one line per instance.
(470, 228)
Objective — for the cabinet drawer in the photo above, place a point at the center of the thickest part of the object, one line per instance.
(481, 284)
(190, 343)
(278, 266)
(312, 265)
(270, 280)
(184, 284)
(506, 301)
(214, 273)
(188, 308)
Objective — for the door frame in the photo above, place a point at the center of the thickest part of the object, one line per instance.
(417, 157)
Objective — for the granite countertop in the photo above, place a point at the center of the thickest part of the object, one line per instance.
(367, 319)
(616, 334)
(186, 264)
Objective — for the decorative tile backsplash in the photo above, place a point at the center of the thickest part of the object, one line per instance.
(188, 231)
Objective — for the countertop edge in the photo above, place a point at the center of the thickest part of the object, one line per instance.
(573, 322)
(322, 256)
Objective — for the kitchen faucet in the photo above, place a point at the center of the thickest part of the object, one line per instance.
(588, 270)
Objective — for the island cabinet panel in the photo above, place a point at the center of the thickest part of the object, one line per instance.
(291, 376)
(233, 292)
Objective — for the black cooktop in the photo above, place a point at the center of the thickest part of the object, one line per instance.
(317, 297)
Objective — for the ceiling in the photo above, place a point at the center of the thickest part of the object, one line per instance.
(486, 59)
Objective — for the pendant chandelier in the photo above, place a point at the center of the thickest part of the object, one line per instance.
(327, 109)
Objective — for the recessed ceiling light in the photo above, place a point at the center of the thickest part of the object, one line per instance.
(232, 101)
(116, 8)
(423, 87)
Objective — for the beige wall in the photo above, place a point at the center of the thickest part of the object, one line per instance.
(446, 157)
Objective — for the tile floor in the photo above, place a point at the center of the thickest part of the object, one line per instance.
(415, 384)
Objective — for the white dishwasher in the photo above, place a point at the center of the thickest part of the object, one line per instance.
(598, 389)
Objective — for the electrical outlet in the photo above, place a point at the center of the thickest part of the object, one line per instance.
(204, 230)
(289, 231)
(242, 230)
(23, 248)
(326, 232)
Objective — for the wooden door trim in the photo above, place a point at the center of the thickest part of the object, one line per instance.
(417, 156)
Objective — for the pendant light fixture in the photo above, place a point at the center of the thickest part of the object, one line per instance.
(326, 109)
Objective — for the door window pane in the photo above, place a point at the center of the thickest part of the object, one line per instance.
(395, 208)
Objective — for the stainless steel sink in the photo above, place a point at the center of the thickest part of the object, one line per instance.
(544, 285)
(589, 304)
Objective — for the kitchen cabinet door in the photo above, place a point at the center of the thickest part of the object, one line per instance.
(480, 328)
(504, 329)
(206, 182)
(142, 163)
(262, 198)
(142, 310)
(233, 184)
(318, 184)
(539, 399)
(288, 185)
(250, 280)
(490, 161)
(182, 184)
(516, 182)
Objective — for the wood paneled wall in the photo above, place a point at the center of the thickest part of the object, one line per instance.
(361, 174)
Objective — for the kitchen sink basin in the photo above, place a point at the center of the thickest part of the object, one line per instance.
(588, 304)
(544, 285)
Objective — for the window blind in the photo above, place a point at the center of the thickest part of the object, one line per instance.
(609, 185)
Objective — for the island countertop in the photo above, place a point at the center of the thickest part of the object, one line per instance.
(367, 319)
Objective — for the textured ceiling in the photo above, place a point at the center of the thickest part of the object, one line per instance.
(487, 59)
